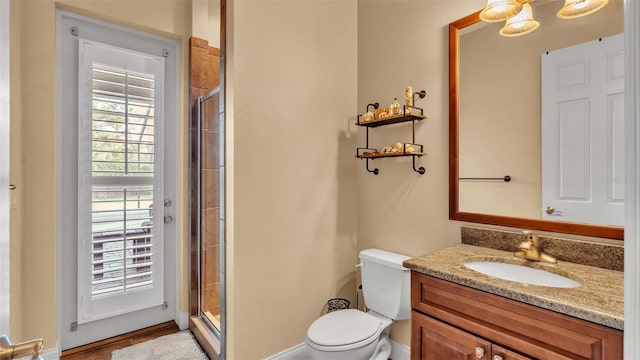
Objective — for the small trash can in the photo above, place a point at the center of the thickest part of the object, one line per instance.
(337, 304)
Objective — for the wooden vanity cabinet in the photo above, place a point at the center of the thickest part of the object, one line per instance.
(437, 340)
(451, 321)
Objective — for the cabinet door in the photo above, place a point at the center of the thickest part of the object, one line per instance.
(435, 340)
(500, 353)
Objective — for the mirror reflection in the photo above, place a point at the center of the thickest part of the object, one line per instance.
(546, 109)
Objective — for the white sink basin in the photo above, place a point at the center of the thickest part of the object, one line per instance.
(521, 274)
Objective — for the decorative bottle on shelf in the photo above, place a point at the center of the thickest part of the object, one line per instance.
(394, 108)
(408, 99)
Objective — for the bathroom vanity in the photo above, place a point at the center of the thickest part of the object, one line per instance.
(458, 313)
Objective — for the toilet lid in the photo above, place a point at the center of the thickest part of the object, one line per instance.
(343, 327)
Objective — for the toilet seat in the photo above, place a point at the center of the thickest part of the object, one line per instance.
(343, 330)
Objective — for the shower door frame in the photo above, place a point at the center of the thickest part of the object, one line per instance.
(208, 335)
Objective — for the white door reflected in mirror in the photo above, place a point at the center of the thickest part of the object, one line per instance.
(583, 132)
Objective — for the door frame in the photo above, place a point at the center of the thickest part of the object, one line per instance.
(5, 241)
(632, 190)
(173, 123)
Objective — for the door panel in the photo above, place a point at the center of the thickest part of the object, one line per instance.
(583, 133)
(574, 150)
(120, 240)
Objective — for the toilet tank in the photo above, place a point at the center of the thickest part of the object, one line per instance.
(386, 284)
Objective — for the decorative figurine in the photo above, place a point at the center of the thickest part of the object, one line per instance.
(368, 116)
(382, 113)
(408, 99)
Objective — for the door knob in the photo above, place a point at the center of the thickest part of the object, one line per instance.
(479, 352)
(552, 211)
(497, 357)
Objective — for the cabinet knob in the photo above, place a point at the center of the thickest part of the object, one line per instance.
(497, 357)
(479, 352)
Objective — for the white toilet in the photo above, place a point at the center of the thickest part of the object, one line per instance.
(355, 335)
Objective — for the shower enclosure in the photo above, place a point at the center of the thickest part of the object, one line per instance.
(207, 222)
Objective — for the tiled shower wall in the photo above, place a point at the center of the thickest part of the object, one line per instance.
(205, 76)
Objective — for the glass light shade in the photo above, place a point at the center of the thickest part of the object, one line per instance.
(500, 10)
(521, 24)
(577, 8)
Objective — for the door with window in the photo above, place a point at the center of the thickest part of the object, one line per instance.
(118, 247)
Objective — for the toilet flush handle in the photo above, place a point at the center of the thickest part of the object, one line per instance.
(360, 265)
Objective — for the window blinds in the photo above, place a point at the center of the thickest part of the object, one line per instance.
(122, 151)
(120, 252)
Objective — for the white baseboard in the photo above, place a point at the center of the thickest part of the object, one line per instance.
(182, 319)
(50, 354)
(299, 352)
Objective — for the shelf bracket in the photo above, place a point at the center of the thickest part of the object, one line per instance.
(419, 170)
(374, 171)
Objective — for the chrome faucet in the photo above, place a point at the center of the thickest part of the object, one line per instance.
(10, 351)
(530, 249)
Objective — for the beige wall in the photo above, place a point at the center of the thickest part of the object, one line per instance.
(33, 168)
(500, 131)
(292, 246)
(205, 17)
(404, 43)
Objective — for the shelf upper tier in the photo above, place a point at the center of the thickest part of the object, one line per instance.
(391, 120)
(375, 156)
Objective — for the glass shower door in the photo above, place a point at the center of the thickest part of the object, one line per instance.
(212, 208)
(209, 197)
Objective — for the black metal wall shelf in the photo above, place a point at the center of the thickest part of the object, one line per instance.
(407, 115)
(397, 154)
(391, 120)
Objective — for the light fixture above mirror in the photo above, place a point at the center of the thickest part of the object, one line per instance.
(577, 8)
(521, 24)
(519, 14)
(500, 10)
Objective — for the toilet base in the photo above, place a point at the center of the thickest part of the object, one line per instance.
(383, 348)
(362, 353)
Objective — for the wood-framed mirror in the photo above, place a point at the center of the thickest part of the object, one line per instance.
(492, 166)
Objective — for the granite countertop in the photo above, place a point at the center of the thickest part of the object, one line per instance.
(599, 298)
